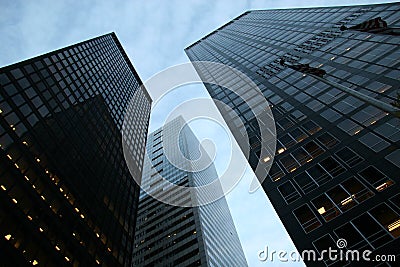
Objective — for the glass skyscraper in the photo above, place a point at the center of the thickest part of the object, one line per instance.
(336, 168)
(184, 234)
(67, 196)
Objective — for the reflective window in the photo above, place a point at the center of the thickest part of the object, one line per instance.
(376, 178)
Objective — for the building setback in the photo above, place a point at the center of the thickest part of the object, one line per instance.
(68, 198)
(336, 169)
(185, 235)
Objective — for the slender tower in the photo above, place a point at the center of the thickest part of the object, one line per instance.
(185, 234)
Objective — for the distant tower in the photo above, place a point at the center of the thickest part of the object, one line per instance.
(169, 235)
(336, 170)
(67, 196)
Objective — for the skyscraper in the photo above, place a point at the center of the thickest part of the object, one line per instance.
(184, 234)
(67, 195)
(336, 168)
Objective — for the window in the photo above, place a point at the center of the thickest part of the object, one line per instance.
(388, 218)
(396, 200)
(288, 192)
(350, 127)
(298, 135)
(332, 166)
(275, 172)
(331, 115)
(285, 123)
(313, 149)
(306, 218)
(301, 156)
(311, 127)
(352, 236)
(371, 230)
(342, 198)
(394, 157)
(287, 140)
(327, 140)
(305, 182)
(289, 163)
(374, 142)
(376, 178)
(326, 207)
(298, 115)
(390, 130)
(349, 157)
(319, 174)
(324, 243)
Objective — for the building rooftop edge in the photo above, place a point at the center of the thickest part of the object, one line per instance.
(116, 40)
(290, 8)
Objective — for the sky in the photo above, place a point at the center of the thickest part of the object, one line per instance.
(154, 35)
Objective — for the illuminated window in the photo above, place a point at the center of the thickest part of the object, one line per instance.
(275, 173)
(376, 178)
(388, 218)
(326, 207)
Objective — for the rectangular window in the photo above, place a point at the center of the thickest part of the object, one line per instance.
(306, 218)
(349, 157)
(371, 230)
(387, 218)
(396, 200)
(319, 174)
(298, 135)
(275, 173)
(287, 141)
(289, 163)
(326, 207)
(301, 156)
(313, 149)
(353, 237)
(324, 243)
(376, 178)
(288, 192)
(305, 182)
(357, 190)
(327, 140)
(285, 123)
(311, 127)
(332, 166)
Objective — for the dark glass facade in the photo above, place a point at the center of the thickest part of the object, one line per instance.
(336, 168)
(68, 198)
(185, 235)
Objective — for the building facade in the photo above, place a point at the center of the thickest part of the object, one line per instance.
(68, 197)
(335, 173)
(183, 234)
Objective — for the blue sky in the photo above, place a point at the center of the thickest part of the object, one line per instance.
(154, 34)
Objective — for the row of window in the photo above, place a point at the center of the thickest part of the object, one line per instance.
(371, 230)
